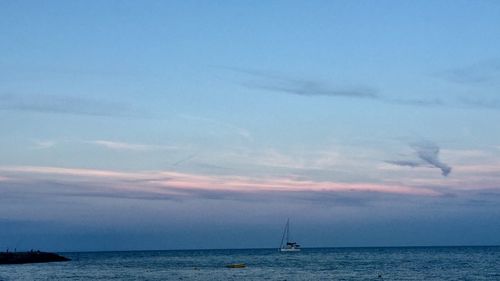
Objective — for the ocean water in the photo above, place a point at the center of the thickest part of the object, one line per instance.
(412, 263)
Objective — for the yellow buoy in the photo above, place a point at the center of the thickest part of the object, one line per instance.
(236, 265)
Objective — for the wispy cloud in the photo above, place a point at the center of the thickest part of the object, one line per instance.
(185, 159)
(477, 76)
(428, 155)
(64, 105)
(241, 132)
(117, 145)
(273, 82)
(480, 72)
(480, 103)
(407, 163)
(486, 71)
(109, 144)
(303, 87)
(44, 144)
(310, 88)
(416, 102)
(184, 185)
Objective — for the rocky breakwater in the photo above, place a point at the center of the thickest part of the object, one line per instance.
(29, 257)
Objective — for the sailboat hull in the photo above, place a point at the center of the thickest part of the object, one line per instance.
(289, 250)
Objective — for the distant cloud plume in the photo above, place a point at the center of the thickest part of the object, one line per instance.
(428, 154)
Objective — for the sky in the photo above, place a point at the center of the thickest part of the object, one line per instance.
(135, 125)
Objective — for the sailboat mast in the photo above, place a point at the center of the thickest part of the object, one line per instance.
(285, 233)
(289, 246)
(287, 230)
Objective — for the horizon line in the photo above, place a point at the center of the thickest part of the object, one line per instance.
(269, 248)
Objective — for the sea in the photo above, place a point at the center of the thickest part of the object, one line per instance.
(385, 263)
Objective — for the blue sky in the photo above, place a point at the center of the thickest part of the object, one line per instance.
(187, 124)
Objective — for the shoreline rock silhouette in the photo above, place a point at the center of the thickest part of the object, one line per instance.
(30, 257)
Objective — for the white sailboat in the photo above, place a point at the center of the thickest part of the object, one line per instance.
(288, 246)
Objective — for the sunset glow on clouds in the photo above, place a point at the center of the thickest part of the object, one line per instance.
(174, 118)
(394, 180)
(163, 181)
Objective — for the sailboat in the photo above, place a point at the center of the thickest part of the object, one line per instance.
(288, 246)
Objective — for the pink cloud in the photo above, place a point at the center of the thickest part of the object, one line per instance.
(64, 171)
(169, 181)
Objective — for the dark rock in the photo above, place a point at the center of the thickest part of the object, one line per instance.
(29, 257)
